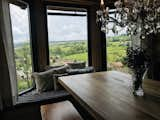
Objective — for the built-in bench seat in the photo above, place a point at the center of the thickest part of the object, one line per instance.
(43, 98)
(47, 87)
(28, 105)
(60, 111)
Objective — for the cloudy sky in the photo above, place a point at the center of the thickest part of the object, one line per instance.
(20, 26)
(60, 28)
(65, 28)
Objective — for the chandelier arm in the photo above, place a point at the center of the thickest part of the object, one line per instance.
(115, 21)
(139, 16)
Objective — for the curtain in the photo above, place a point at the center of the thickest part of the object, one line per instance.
(9, 84)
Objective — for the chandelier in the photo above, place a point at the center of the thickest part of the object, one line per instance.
(138, 16)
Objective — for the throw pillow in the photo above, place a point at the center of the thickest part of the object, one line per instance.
(60, 70)
(52, 67)
(80, 71)
(44, 81)
(77, 65)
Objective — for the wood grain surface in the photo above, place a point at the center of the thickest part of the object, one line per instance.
(60, 111)
(108, 96)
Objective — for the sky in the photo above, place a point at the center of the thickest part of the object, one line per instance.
(64, 28)
(20, 24)
(60, 28)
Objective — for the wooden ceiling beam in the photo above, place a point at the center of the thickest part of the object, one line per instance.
(20, 3)
(79, 2)
(109, 3)
(66, 8)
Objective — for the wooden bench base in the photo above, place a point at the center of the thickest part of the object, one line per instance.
(60, 111)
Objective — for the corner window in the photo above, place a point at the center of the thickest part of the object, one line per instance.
(67, 31)
(22, 46)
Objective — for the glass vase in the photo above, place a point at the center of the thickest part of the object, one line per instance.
(137, 78)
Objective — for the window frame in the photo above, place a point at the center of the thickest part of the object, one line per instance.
(23, 5)
(89, 56)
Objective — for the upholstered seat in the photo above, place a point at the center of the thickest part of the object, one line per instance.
(43, 98)
(48, 80)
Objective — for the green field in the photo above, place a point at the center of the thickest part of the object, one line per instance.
(63, 52)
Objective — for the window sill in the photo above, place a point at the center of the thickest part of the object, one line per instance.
(42, 98)
(26, 91)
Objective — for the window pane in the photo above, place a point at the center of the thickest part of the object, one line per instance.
(22, 48)
(67, 37)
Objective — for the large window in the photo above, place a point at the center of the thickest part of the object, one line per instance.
(67, 31)
(117, 42)
(22, 47)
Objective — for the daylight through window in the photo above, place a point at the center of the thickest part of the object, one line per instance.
(67, 31)
(22, 47)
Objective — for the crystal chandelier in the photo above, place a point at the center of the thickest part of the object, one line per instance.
(139, 16)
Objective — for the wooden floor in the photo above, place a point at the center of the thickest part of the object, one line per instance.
(60, 111)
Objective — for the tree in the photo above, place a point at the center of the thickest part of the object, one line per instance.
(23, 63)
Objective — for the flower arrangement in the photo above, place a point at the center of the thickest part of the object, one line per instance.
(136, 58)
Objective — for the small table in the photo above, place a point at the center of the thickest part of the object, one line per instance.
(108, 96)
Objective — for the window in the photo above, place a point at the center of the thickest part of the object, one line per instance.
(67, 31)
(22, 47)
(116, 48)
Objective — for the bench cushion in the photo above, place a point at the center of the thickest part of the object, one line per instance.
(77, 65)
(80, 71)
(41, 98)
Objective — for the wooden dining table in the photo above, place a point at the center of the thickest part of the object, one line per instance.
(108, 96)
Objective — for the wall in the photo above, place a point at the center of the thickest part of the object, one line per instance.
(1, 105)
(26, 112)
(154, 49)
(97, 42)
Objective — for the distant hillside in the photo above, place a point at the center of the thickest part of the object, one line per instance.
(113, 38)
(16, 45)
(69, 41)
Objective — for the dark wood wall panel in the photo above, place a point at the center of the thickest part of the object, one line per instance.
(28, 112)
(153, 44)
(39, 34)
(97, 42)
(79, 2)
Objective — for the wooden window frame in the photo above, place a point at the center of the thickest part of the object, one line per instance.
(25, 5)
(71, 6)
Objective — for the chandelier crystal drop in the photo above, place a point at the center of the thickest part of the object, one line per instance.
(139, 16)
